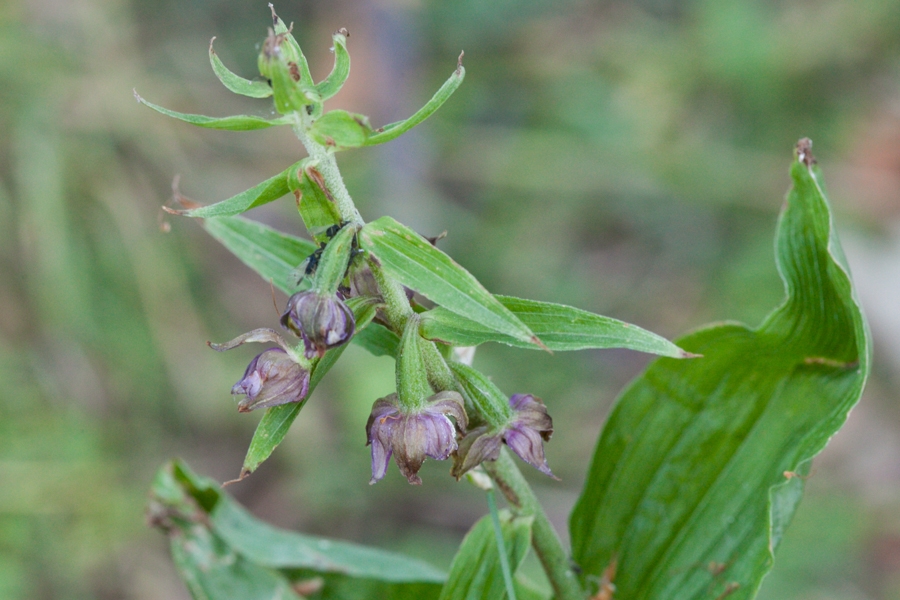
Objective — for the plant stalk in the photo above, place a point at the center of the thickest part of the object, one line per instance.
(546, 542)
(503, 471)
(328, 167)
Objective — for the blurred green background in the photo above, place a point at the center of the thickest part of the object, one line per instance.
(628, 158)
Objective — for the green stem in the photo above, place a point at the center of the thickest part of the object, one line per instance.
(396, 305)
(546, 542)
(327, 166)
(439, 374)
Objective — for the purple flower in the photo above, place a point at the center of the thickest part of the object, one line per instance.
(271, 379)
(411, 437)
(322, 321)
(524, 434)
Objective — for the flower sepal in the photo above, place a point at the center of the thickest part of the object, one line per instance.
(410, 437)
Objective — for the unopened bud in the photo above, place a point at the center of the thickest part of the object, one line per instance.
(322, 321)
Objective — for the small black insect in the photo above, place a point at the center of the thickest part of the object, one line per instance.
(311, 263)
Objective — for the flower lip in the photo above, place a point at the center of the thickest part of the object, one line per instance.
(272, 378)
(321, 321)
(413, 436)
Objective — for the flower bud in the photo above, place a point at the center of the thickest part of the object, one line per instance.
(271, 379)
(524, 434)
(412, 436)
(521, 422)
(283, 64)
(323, 321)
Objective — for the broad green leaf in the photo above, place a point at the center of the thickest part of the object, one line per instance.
(697, 472)
(415, 262)
(268, 191)
(210, 568)
(223, 552)
(236, 83)
(340, 129)
(332, 84)
(315, 203)
(275, 257)
(272, 254)
(560, 327)
(395, 130)
(235, 123)
(475, 573)
(212, 571)
(271, 547)
(339, 587)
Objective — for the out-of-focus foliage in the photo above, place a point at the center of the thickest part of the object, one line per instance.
(656, 128)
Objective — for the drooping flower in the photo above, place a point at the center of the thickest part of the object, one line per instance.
(271, 379)
(412, 436)
(276, 376)
(323, 321)
(525, 434)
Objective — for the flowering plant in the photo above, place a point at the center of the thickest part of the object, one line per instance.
(691, 468)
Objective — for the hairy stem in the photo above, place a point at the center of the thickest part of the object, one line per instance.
(546, 542)
(397, 309)
(327, 166)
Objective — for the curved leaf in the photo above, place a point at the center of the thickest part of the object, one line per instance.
(332, 84)
(269, 190)
(395, 130)
(696, 474)
(236, 83)
(560, 327)
(223, 552)
(417, 264)
(235, 123)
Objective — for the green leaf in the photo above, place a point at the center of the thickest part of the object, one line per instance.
(293, 51)
(211, 570)
(378, 340)
(223, 552)
(275, 257)
(268, 191)
(235, 123)
(277, 420)
(315, 203)
(265, 545)
(560, 327)
(395, 130)
(272, 254)
(340, 129)
(412, 260)
(332, 84)
(697, 472)
(236, 83)
(476, 572)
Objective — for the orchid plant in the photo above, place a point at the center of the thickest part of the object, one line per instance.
(695, 474)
